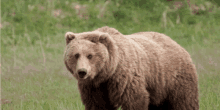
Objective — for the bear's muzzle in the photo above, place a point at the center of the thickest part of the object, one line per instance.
(82, 72)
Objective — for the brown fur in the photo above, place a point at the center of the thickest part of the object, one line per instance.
(141, 71)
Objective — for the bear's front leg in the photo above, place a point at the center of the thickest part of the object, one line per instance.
(96, 98)
(89, 106)
(86, 96)
(97, 107)
(135, 97)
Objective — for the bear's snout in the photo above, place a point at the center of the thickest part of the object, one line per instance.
(82, 72)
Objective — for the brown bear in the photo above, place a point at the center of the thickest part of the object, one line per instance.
(141, 71)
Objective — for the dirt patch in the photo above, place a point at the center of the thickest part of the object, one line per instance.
(5, 101)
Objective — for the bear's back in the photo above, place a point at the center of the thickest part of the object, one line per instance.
(158, 40)
(159, 43)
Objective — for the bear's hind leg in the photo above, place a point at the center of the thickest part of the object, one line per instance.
(184, 98)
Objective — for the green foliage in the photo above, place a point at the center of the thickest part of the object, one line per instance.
(50, 17)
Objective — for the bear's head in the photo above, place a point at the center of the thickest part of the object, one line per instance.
(90, 55)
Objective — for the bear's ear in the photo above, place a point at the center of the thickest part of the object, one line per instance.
(69, 36)
(112, 47)
(105, 39)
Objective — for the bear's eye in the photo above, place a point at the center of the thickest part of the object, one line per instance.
(89, 56)
(77, 55)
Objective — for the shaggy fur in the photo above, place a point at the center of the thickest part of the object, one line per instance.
(141, 71)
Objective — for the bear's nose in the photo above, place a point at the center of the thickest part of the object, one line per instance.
(82, 72)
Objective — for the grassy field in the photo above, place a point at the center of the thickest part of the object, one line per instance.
(33, 75)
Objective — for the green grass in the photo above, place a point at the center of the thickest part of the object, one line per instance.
(34, 76)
